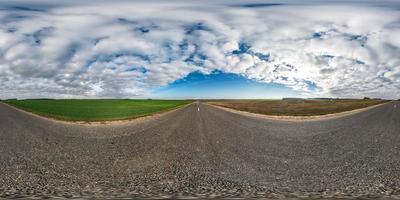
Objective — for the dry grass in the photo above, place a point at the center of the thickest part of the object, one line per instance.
(300, 107)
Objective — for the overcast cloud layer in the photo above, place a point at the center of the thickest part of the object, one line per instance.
(126, 49)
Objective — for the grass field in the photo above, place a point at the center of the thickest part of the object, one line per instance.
(300, 107)
(95, 110)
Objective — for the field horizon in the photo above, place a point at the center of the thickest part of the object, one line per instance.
(97, 110)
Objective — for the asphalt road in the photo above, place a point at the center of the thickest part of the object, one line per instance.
(202, 151)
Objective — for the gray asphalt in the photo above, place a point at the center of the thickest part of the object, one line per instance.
(202, 151)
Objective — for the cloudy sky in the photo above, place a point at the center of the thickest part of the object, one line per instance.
(199, 49)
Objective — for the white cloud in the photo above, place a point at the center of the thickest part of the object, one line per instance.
(125, 48)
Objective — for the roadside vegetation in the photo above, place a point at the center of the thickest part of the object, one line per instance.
(95, 110)
(297, 107)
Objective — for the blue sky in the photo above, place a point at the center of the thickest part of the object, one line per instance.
(199, 49)
(218, 85)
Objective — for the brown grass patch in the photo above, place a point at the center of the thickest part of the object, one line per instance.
(297, 107)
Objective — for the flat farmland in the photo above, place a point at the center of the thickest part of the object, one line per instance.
(296, 107)
(95, 109)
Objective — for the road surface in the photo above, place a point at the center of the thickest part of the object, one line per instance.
(200, 150)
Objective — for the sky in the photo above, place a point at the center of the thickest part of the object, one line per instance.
(199, 49)
(221, 85)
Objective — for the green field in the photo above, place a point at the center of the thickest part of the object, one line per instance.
(300, 107)
(95, 110)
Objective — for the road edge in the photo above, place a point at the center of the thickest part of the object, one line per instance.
(299, 118)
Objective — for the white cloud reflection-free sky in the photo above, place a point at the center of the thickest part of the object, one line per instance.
(129, 49)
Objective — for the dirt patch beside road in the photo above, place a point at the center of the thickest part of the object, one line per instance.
(297, 107)
(297, 118)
